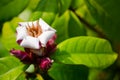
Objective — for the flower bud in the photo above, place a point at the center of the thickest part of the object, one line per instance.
(23, 56)
(51, 45)
(45, 63)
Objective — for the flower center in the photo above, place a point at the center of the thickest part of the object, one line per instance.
(33, 30)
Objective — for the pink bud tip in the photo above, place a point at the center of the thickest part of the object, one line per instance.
(45, 63)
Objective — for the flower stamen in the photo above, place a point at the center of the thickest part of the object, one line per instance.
(33, 30)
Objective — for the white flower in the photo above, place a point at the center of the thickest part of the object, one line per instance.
(34, 35)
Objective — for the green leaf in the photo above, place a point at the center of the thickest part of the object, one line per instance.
(63, 5)
(68, 72)
(30, 69)
(90, 51)
(76, 4)
(26, 13)
(21, 77)
(3, 2)
(7, 63)
(61, 25)
(9, 34)
(12, 74)
(11, 68)
(106, 13)
(3, 51)
(83, 12)
(46, 10)
(68, 25)
(9, 9)
(75, 27)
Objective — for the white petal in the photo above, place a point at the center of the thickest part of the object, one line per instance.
(30, 42)
(45, 26)
(37, 51)
(21, 32)
(45, 36)
(30, 23)
(25, 24)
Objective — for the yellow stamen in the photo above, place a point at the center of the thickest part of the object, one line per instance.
(33, 30)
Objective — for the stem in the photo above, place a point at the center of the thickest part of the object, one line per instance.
(93, 28)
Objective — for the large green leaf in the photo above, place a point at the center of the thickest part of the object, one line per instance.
(10, 67)
(90, 51)
(13, 74)
(68, 25)
(68, 72)
(9, 34)
(9, 9)
(106, 13)
(63, 5)
(7, 63)
(47, 10)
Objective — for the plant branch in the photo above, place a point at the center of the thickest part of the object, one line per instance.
(93, 28)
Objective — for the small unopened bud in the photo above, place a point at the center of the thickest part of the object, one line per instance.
(23, 56)
(51, 46)
(45, 63)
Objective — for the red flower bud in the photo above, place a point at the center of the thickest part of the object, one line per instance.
(23, 56)
(45, 63)
(51, 45)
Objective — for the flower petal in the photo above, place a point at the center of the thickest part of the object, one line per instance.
(45, 26)
(37, 51)
(25, 24)
(21, 33)
(45, 36)
(30, 42)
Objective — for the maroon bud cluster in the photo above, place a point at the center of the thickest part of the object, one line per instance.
(29, 57)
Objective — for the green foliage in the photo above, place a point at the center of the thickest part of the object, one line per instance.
(46, 9)
(11, 8)
(88, 51)
(106, 13)
(63, 5)
(75, 28)
(6, 63)
(68, 72)
(76, 4)
(9, 35)
(83, 11)
(68, 25)
(3, 50)
(10, 71)
(13, 74)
